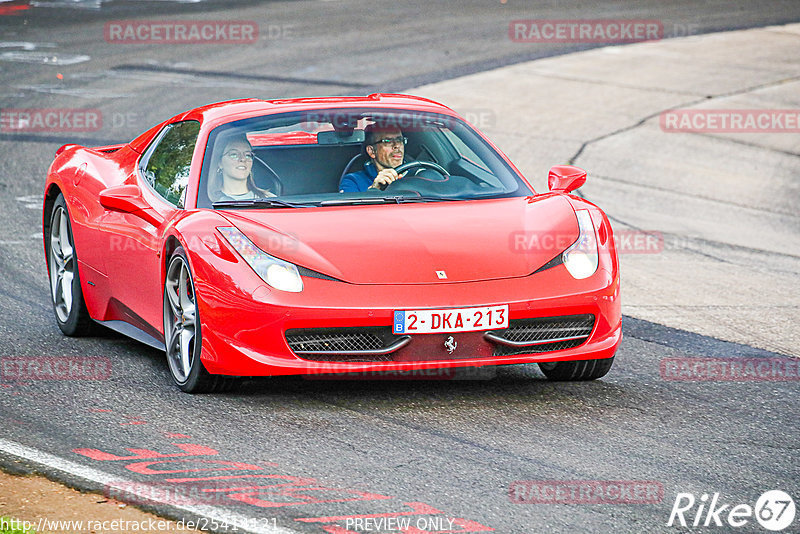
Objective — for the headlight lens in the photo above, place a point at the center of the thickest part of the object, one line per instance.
(580, 258)
(277, 273)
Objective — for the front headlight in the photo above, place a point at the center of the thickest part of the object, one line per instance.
(580, 258)
(277, 273)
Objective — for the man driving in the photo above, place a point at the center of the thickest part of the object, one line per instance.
(385, 147)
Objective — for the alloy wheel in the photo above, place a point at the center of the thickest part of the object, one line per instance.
(180, 319)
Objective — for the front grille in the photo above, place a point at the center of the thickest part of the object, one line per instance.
(378, 344)
(345, 344)
(544, 334)
(346, 340)
(346, 358)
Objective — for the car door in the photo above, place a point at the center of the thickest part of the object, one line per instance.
(134, 262)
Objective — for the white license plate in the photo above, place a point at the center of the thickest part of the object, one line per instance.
(450, 320)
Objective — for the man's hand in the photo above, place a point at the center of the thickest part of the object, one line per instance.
(384, 178)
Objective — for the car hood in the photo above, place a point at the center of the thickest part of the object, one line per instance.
(415, 243)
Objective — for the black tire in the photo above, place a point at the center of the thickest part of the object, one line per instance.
(577, 369)
(69, 305)
(183, 360)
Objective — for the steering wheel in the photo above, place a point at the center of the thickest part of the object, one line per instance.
(425, 164)
(416, 183)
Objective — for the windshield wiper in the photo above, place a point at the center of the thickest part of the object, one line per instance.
(396, 199)
(277, 203)
(421, 198)
(261, 203)
(355, 201)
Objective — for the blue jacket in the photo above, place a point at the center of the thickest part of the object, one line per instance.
(358, 181)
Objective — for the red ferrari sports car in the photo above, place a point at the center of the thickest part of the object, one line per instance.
(329, 235)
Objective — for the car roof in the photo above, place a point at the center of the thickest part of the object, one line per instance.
(217, 113)
(225, 111)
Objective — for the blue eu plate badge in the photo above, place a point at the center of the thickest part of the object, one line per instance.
(399, 322)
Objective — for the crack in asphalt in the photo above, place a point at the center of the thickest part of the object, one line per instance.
(640, 122)
(685, 105)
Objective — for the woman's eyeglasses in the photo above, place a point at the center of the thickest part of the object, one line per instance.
(235, 154)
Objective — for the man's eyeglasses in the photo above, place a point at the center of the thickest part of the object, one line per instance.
(235, 154)
(392, 141)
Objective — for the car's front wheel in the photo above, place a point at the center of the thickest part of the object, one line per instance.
(182, 335)
(69, 306)
(577, 369)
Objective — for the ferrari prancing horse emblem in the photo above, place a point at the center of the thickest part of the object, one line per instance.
(450, 344)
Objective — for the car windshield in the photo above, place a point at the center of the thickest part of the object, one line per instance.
(330, 158)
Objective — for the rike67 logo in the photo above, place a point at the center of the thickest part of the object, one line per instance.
(774, 510)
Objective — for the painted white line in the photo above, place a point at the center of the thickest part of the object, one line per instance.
(24, 45)
(44, 58)
(241, 522)
(60, 89)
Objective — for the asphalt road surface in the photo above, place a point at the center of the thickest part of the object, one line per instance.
(465, 455)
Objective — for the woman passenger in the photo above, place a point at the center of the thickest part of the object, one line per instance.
(232, 175)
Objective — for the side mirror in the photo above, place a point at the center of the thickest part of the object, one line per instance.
(128, 199)
(565, 178)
